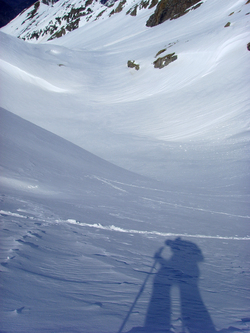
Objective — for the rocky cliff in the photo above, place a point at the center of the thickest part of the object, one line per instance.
(171, 9)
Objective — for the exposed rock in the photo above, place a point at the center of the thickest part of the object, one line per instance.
(227, 25)
(34, 11)
(100, 14)
(108, 3)
(158, 53)
(60, 25)
(144, 4)
(171, 9)
(153, 3)
(164, 61)
(132, 11)
(248, 46)
(58, 34)
(141, 5)
(75, 13)
(132, 64)
(49, 2)
(119, 8)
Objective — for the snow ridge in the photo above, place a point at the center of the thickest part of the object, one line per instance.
(149, 233)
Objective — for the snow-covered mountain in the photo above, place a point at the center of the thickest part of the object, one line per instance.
(124, 124)
(48, 19)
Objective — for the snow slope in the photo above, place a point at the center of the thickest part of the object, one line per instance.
(88, 95)
(78, 232)
(83, 276)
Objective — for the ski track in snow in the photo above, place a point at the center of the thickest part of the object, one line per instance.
(198, 209)
(106, 181)
(109, 182)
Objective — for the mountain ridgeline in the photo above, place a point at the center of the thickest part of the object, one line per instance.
(50, 19)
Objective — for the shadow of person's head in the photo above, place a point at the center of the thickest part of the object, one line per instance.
(185, 249)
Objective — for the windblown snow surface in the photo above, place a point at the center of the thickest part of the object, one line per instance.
(100, 164)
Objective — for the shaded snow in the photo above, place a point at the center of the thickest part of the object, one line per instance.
(80, 235)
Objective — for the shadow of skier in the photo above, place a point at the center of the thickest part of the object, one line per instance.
(181, 270)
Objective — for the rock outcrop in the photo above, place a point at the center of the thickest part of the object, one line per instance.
(171, 9)
(131, 64)
(164, 61)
